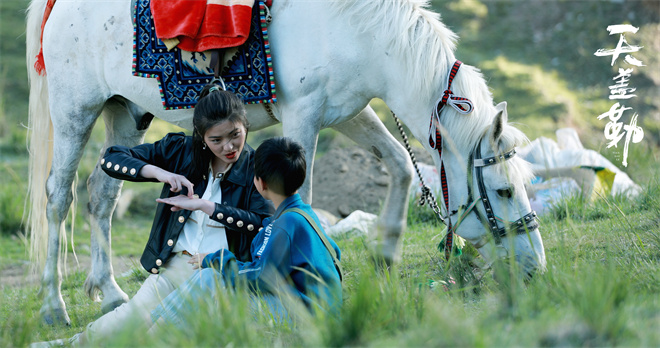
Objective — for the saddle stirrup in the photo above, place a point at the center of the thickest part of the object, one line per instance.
(217, 62)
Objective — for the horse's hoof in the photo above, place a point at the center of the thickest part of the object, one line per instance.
(113, 298)
(55, 316)
(109, 307)
(383, 255)
(381, 264)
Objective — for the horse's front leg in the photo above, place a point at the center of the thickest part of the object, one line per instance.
(368, 131)
(70, 134)
(121, 120)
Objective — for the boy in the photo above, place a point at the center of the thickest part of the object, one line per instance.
(291, 254)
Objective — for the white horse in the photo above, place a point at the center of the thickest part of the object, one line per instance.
(330, 59)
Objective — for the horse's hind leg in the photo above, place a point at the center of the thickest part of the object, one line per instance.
(121, 129)
(305, 130)
(368, 131)
(71, 131)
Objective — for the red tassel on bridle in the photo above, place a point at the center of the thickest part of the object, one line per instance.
(463, 106)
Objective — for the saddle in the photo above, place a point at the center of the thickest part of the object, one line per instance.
(202, 25)
(181, 74)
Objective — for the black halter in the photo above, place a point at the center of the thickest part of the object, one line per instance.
(526, 223)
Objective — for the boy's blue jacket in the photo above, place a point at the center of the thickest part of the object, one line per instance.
(287, 248)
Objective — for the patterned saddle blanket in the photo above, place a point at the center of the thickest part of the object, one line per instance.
(181, 75)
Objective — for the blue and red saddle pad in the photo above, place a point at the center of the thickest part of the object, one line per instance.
(181, 75)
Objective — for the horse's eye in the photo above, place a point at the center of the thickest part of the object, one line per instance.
(504, 193)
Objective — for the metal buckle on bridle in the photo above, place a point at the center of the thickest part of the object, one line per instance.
(527, 222)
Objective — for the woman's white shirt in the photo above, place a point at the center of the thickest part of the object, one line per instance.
(200, 233)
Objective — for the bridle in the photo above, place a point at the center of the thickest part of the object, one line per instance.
(526, 223)
(497, 226)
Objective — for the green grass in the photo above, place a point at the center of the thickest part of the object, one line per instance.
(601, 288)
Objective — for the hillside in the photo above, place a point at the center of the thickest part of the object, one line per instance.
(537, 55)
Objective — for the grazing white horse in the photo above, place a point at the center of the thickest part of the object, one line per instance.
(330, 59)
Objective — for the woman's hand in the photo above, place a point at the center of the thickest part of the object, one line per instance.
(196, 260)
(176, 181)
(188, 203)
(182, 202)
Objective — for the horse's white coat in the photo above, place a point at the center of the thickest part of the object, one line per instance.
(330, 59)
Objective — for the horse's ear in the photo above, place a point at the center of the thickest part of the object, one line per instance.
(499, 122)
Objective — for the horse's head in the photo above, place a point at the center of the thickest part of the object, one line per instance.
(489, 205)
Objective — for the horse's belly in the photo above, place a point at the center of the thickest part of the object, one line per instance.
(317, 61)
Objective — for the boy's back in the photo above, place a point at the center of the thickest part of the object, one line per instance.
(306, 260)
(288, 255)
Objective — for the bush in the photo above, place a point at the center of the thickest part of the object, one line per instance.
(11, 212)
(11, 202)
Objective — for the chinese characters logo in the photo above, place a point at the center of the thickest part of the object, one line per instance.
(615, 129)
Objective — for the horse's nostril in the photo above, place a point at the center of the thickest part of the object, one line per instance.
(524, 268)
(528, 264)
(530, 274)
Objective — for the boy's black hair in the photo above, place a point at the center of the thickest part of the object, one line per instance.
(280, 162)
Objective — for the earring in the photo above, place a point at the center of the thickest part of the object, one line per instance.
(204, 147)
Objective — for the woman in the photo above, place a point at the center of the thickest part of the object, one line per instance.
(294, 264)
(215, 164)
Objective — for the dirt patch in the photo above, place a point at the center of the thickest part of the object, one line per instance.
(349, 179)
(19, 275)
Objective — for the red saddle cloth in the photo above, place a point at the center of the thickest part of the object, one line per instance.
(201, 25)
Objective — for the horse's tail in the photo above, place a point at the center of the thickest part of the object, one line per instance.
(39, 140)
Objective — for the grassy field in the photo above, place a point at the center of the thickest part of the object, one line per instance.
(601, 288)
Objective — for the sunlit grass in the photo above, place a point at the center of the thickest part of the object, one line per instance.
(600, 288)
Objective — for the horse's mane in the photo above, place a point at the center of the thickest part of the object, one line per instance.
(410, 25)
(470, 83)
(516, 167)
